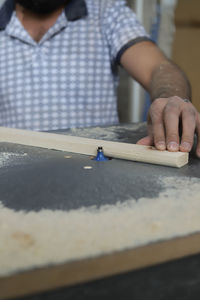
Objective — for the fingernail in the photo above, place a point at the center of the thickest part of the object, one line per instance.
(161, 145)
(173, 146)
(186, 146)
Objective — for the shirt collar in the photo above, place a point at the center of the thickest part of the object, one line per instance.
(16, 30)
(75, 10)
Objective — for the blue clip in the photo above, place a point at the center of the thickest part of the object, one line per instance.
(100, 155)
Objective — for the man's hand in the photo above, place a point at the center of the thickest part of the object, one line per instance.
(172, 121)
(165, 117)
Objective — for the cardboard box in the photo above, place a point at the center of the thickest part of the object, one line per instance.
(186, 53)
(186, 47)
(187, 13)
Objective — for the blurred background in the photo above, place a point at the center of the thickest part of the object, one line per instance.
(175, 26)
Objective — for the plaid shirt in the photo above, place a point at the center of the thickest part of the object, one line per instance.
(69, 78)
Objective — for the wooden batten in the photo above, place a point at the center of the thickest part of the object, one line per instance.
(87, 146)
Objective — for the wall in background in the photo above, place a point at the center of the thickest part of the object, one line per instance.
(167, 28)
(186, 49)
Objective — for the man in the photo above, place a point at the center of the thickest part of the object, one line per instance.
(58, 69)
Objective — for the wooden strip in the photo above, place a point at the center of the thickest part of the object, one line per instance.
(89, 147)
(39, 280)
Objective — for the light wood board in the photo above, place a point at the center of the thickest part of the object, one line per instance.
(89, 147)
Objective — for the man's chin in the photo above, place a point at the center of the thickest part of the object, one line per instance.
(42, 7)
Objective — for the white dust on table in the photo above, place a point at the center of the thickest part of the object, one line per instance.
(31, 239)
(7, 158)
(107, 133)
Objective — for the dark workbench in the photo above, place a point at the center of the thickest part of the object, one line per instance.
(46, 178)
(178, 280)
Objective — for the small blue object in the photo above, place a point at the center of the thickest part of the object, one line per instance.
(100, 155)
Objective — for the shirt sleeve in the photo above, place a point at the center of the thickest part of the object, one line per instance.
(121, 28)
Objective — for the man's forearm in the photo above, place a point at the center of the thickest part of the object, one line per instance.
(169, 80)
(168, 86)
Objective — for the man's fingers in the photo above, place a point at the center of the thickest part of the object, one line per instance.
(198, 146)
(146, 141)
(158, 131)
(171, 119)
(165, 115)
(188, 129)
(198, 136)
(159, 135)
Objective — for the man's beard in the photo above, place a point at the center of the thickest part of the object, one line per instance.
(42, 7)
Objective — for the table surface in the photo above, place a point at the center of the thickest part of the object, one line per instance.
(54, 178)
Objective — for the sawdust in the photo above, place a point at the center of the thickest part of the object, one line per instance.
(7, 158)
(110, 133)
(32, 239)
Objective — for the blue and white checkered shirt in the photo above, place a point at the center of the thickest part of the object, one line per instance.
(69, 78)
